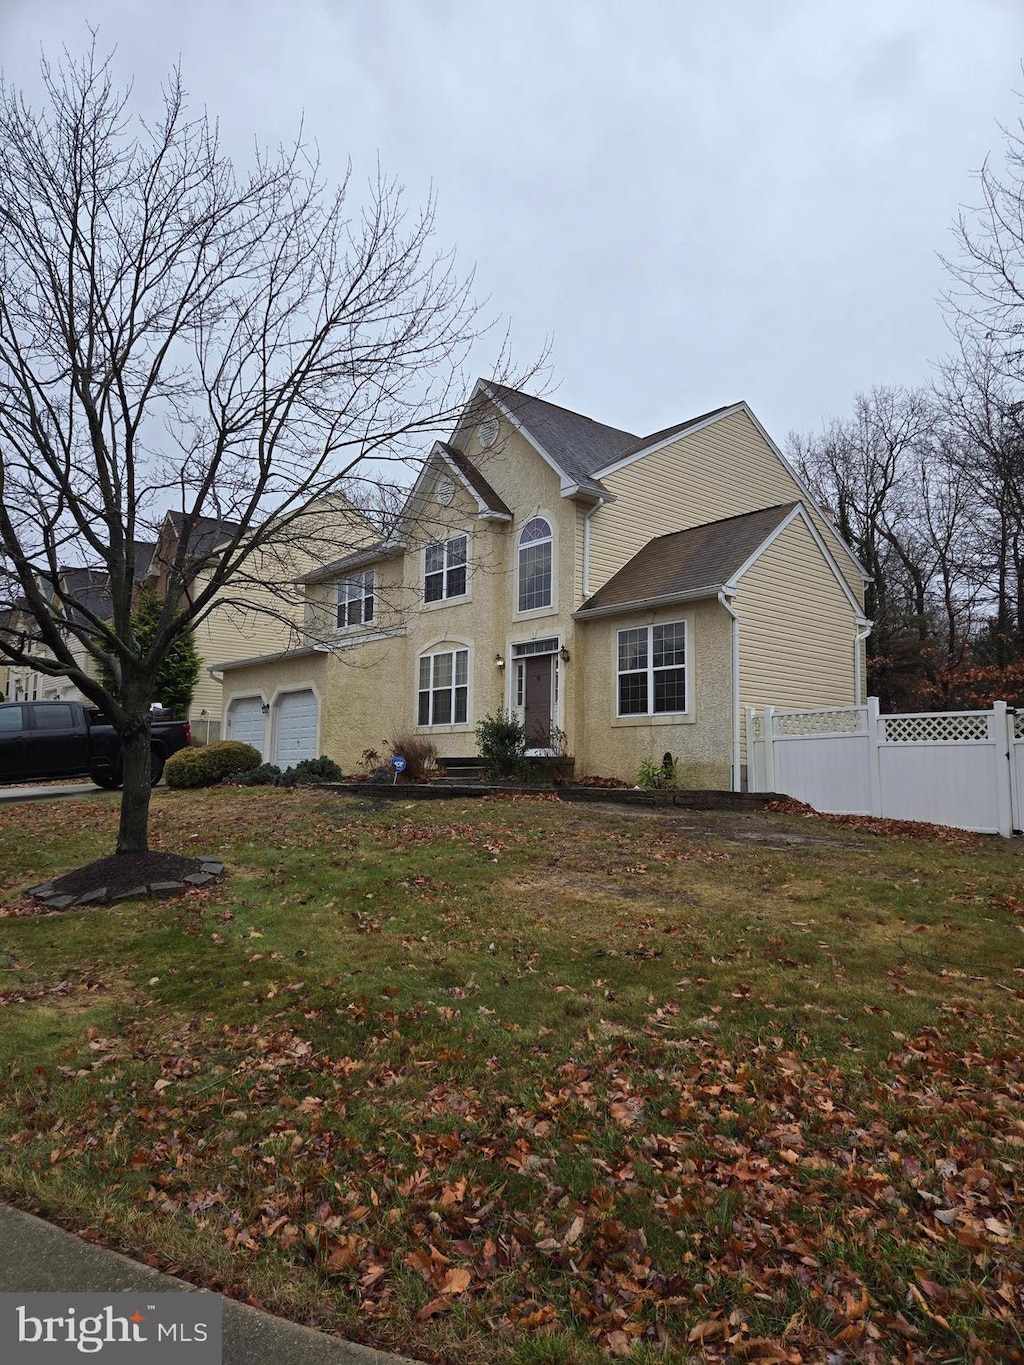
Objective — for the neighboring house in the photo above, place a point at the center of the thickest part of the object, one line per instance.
(626, 596)
(80, 594)
(21, 682)
(260, 610)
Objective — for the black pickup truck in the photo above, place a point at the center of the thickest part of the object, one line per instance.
(42, 740)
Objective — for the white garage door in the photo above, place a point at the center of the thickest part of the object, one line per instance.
(246, 722)
(294, 729)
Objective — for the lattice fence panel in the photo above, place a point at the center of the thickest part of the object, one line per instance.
(757, 727)
(1018, 725)
(846, 721)
(952, 728)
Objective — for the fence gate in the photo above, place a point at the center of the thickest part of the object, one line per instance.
(962, 768)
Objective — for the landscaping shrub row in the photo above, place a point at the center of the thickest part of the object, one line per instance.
(228, 760)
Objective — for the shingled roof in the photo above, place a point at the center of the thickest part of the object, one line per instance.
(578, 445)
(688, 563)
(207, 533)
(469, 472)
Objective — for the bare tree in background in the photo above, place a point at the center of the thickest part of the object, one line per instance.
(893, 478)
(178, 332)
(986, 410)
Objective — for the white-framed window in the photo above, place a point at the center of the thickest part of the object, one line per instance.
(444, 569)
(443, 695)
(535, 584)
(651, 670)
(355, 600)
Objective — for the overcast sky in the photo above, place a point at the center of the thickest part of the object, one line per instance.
(696, 202)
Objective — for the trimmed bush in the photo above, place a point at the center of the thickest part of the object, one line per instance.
(310, 770)
(266, 775)
(211, 764)
(501, 740)
(322, 769)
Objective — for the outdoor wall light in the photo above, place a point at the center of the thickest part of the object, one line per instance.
(265, 708)
(499, 659)
(563, 654)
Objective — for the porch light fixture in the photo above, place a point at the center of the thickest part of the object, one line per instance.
(265, 708)
(499, 660)
(563, 654)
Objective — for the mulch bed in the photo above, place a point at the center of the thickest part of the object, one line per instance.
(122, 877)
(123, 871)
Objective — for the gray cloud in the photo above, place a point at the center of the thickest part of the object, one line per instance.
(699, 203)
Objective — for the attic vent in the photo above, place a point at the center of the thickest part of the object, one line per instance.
(445, 492)
(487, 433)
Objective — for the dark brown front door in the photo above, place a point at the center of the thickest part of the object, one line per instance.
(537, 703)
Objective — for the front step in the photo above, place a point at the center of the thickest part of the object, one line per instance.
(461, 769)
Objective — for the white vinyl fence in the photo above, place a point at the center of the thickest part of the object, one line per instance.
(963, 768)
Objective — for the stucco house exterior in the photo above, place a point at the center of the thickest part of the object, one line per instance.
(627, 596)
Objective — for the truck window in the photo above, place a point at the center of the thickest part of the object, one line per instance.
(53, 716)
(11, 720)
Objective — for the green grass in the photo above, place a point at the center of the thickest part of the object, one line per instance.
(519, 1081)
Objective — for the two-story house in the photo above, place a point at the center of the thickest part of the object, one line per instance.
(626, 596)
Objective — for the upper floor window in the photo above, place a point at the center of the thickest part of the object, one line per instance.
(652, 670)
(535, 565)
(443, 697)
(445, 569)
(355, 600)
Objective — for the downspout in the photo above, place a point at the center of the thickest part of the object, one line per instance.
(586, 545)
(211, 670)
(858, 680)
(736, 750)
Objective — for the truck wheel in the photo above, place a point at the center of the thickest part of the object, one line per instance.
(108, 781)
(156, 767)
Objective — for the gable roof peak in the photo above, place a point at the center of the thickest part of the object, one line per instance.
(577, 446)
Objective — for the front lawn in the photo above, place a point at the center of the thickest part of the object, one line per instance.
(513, 1080)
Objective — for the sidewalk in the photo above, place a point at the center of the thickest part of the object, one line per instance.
(49, 793)
(36, 1257)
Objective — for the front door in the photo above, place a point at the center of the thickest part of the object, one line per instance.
(537, 701)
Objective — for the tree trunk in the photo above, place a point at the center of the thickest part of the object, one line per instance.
(133, 830)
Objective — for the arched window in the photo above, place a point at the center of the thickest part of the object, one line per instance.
(535, 565)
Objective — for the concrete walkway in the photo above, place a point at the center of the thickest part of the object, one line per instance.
(36, 1257)
(52, 792)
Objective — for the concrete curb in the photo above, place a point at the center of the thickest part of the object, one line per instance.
(36, 1257)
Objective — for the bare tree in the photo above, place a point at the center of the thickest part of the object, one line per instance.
(986, 300)
(178, 332)
(985, 408)
(896, 477)
(858, 468)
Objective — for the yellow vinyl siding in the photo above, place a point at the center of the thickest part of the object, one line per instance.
(722, 470)
(797, 628)
(234, 632)
(263, 607)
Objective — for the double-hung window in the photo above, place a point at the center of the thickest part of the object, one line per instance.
(355, 600)
(445, 569)
(535, 565)
(652, 670)
(444, 688)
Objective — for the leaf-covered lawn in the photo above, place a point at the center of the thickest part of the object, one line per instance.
(521, 1081)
